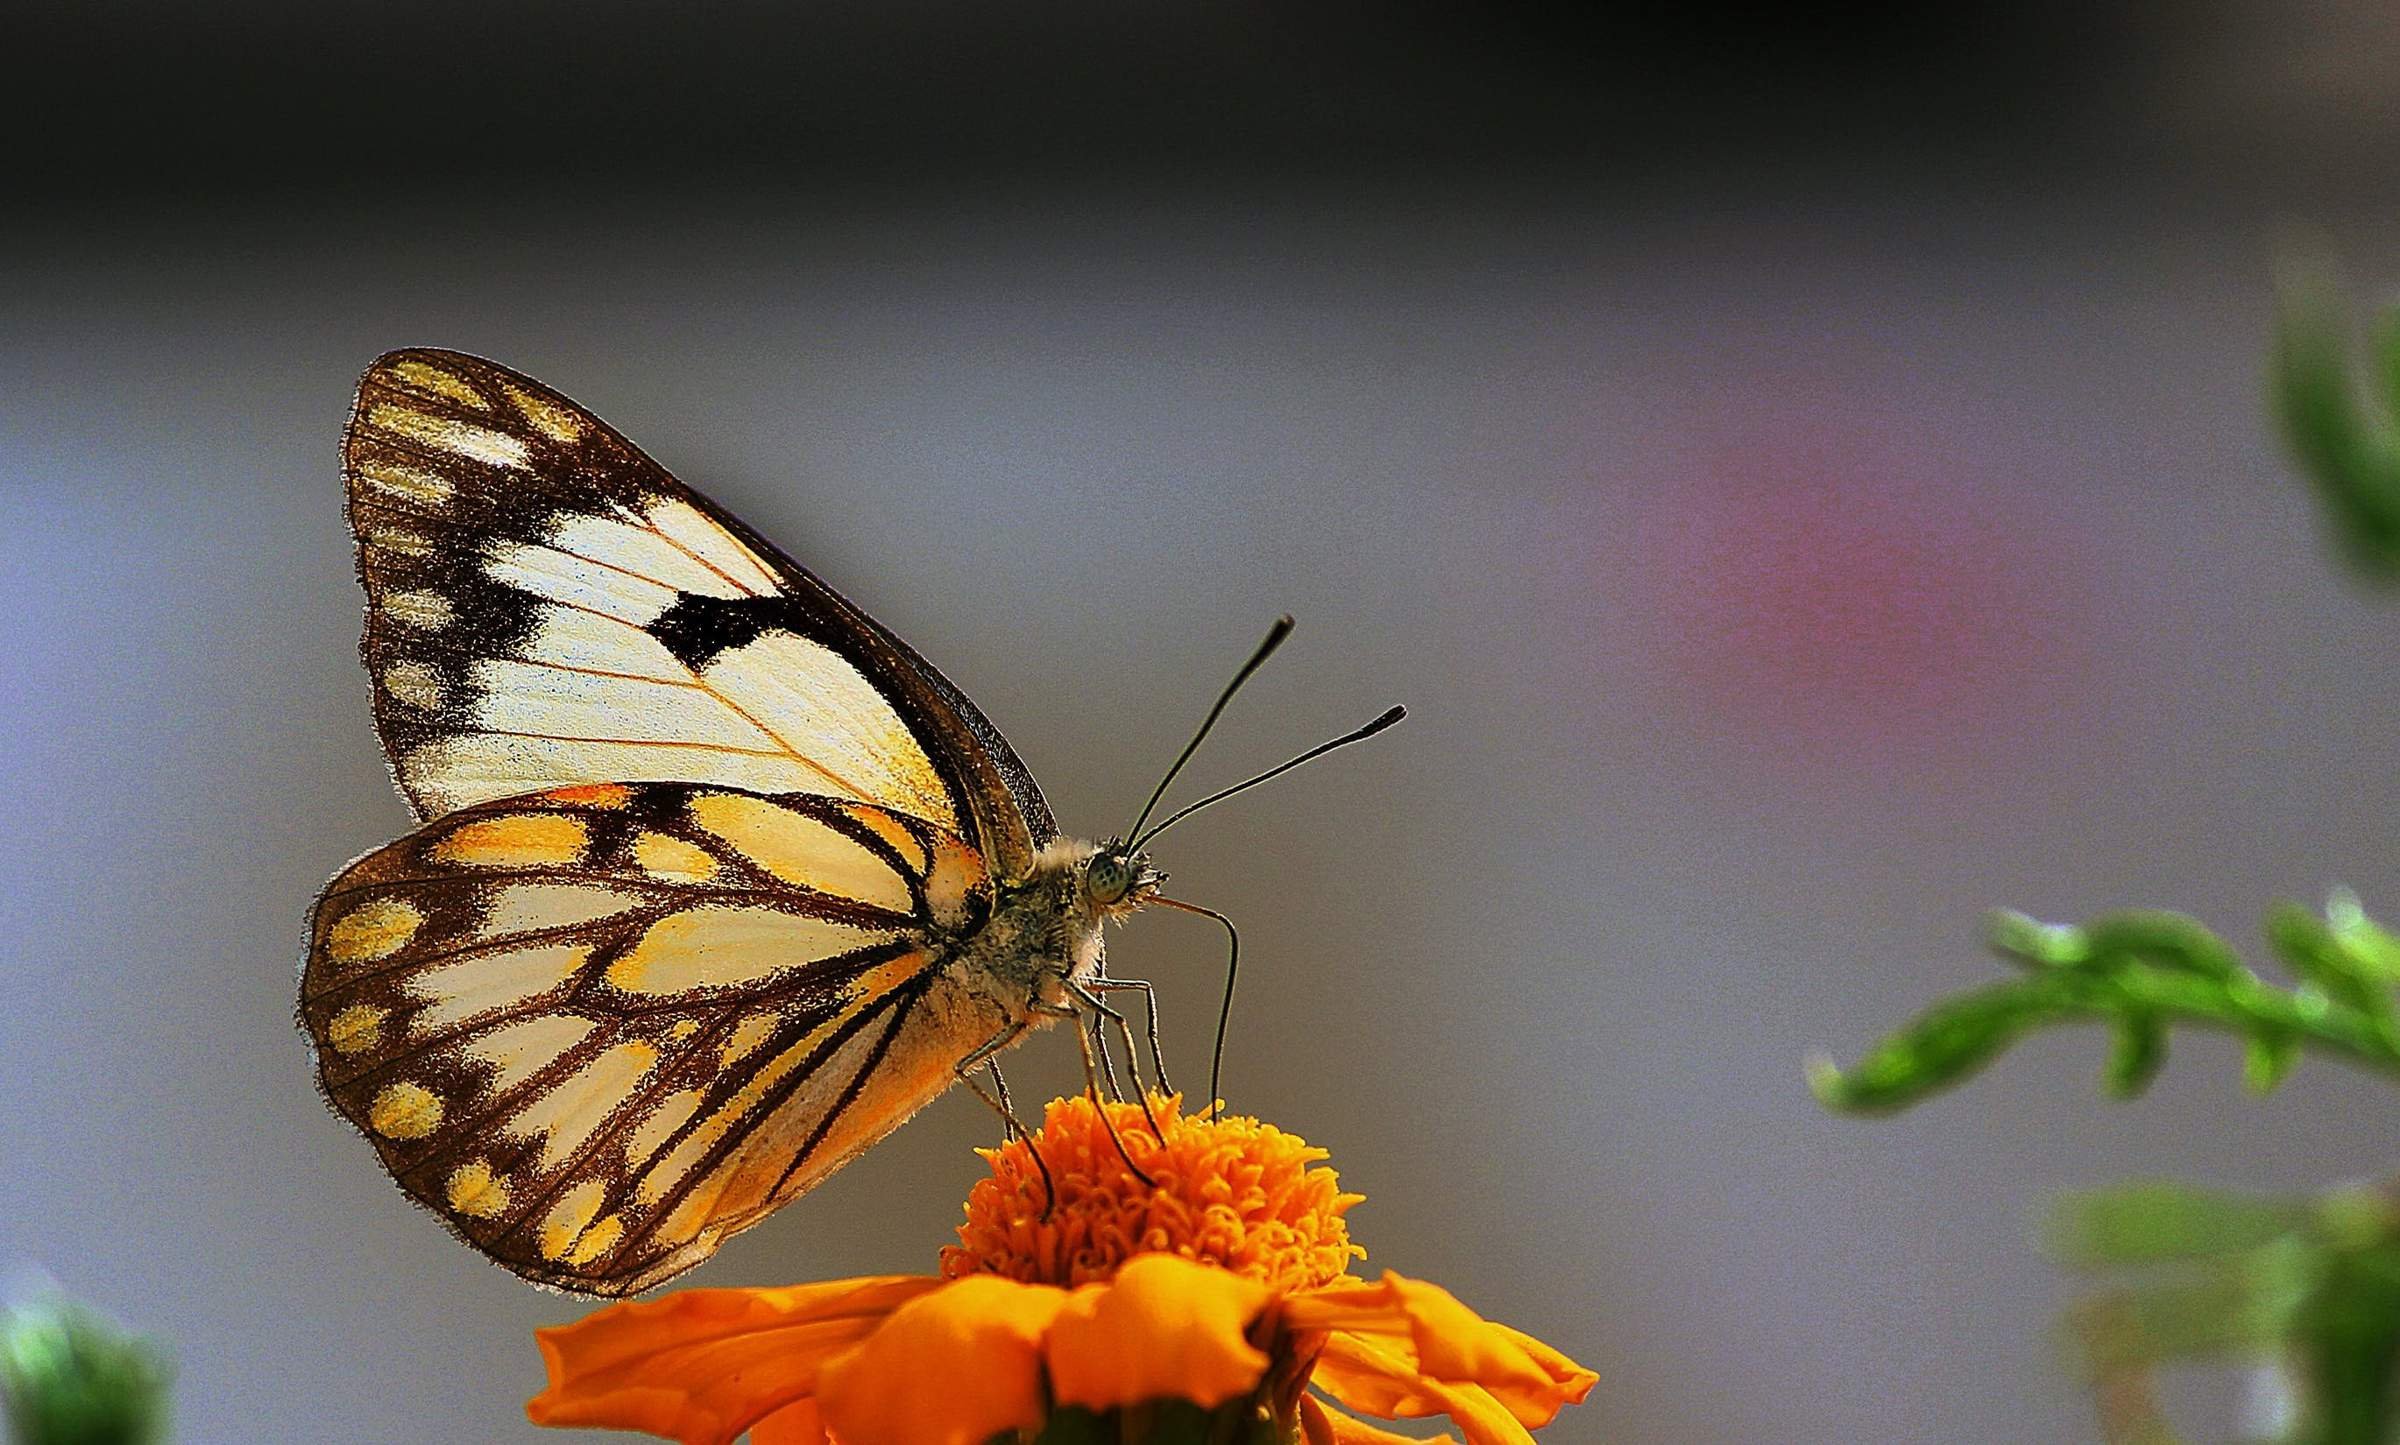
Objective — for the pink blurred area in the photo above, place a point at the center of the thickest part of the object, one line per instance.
(1832, 586)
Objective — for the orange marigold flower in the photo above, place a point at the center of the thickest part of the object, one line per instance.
(1231, 1192)
(1218, 1297)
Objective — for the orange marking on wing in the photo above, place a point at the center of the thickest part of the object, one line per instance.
(592, 795)
(520, 840)
(957, 871)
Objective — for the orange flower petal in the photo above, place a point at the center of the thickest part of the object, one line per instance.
(703, 1365)
(953, 1367)
(795, 1424)
(1165, 1326)
(1424, 1327)
(1320, 1426)
(1364, 1375)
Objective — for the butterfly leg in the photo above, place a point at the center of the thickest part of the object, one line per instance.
(985, 1054)
(1101, 1011)
(1000, 1087)
(1091, 1074)
(1158, 1060)
(1108, 1061)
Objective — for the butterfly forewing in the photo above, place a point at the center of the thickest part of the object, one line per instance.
(601, 1028)
(548, 607)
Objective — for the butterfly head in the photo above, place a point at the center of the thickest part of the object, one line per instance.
(1117, 879)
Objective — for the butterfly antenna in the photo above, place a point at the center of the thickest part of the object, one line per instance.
(1275, 636)
(1358, 735)
(1233, 966)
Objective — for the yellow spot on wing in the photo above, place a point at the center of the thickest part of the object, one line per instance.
(570, 1216)
(725, 947)
(355, 1029)
(517, 840)
(407, 483)
(424, 376)
(414, 683)
(418, 609)
(476, 1193)
(683, 1029)
(673, 859)
(597, 1240)
(405, 1111)
(802, 850)
(475, 443)
(890, 829)
(555, 422)
(398, 541)
(374, 929)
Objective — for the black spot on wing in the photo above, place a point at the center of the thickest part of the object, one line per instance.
(699, 629)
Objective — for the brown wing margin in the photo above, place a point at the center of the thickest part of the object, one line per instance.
(495, 456)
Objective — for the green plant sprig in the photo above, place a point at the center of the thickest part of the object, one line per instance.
(2140, 973)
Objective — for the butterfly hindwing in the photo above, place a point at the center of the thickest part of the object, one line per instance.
(601, 1028)
(548, 607)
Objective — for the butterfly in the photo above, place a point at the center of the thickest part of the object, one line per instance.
(717, 882)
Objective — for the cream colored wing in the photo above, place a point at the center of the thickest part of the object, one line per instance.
(600, 1029)
(547, 607)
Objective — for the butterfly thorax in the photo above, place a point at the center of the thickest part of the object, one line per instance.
(1047, 927)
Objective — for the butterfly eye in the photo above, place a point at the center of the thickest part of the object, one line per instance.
(1108, 878)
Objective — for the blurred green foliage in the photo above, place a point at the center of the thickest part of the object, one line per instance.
(2311, 1283)
(68, 1377)
(2309, 1286)
(2345, 429)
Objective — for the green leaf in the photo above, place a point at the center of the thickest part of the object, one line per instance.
(2348, 965)
(1946, 1044)
(2368, 947)
(2050, 945)
(2267, 1058)
(2172, 940)
(2138, 1052)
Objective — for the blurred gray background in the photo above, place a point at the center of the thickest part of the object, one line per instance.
(1809, 485)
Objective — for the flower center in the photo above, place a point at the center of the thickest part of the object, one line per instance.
(1232, 1192)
